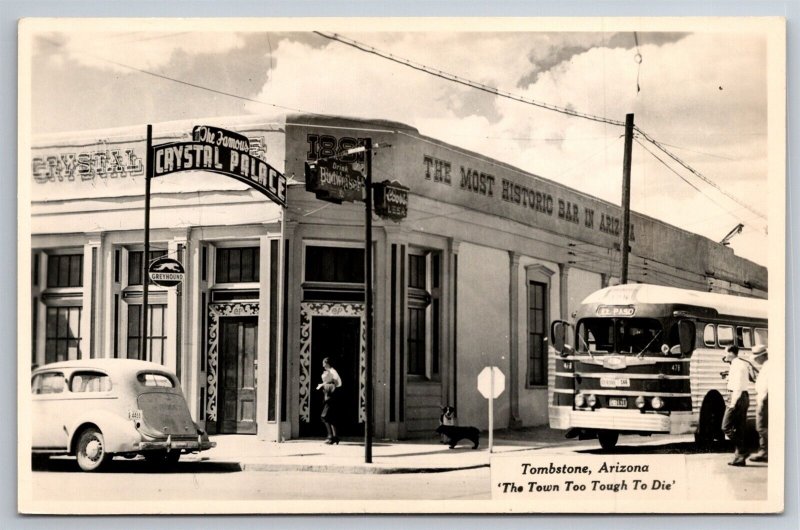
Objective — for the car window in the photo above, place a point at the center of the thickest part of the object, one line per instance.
(48, 383)
(89, 382)
(152, 379)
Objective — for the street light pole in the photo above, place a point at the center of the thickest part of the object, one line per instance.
(368, 300)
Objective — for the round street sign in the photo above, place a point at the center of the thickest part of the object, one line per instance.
(485, 384)
(166, 272)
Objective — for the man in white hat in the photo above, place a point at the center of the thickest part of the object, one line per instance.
(735, 419)
(762, 417)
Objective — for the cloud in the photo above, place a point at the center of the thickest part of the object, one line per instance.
(560, 50)
(721, 133)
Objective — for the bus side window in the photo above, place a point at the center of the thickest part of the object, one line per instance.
(710, 335)
(762, 336)
(725, 335)
(744, 337)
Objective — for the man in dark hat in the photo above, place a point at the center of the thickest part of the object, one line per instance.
(762, 417)
(735, 419)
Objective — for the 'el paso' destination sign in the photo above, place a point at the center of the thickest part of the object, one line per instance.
(224, 152)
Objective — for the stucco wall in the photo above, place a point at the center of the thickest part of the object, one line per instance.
(482, 330)
(580, 284)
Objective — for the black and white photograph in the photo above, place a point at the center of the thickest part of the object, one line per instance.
(409, 265)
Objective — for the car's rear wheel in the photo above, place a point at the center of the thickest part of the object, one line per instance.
(91, 450)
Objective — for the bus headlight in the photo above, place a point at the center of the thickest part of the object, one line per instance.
(579, 400)
(591, 400)
(640, 402)
(657, 403)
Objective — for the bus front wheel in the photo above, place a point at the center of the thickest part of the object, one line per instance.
(608, 439)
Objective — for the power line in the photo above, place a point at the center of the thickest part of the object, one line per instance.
(437, 73)
(463, 81)
(696, 173)
(495, 91)
(662, 161)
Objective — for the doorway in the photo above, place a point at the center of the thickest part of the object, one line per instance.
(238, 346)
(338, 339)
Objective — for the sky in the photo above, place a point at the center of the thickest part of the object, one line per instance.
(701, 94)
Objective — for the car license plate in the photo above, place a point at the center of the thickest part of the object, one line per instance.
(134, 414)
(614, 382)
(618, 402)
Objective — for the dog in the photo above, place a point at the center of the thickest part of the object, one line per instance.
(455, 434)
(448, 417)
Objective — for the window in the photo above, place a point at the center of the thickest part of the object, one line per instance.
(62, 334)
(744, 337)
(537, 331)
(89, 382)
(334, 264)
(762, 336)
(135, 264)
(710, 335)
(48, 383)
(65, 270)
(424, 314)
(151, 379)
(156, 331)
(725, 335)
(236, 265)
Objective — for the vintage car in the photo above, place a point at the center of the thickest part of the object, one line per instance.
(96, 409)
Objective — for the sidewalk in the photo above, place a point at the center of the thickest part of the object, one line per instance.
(412, 456)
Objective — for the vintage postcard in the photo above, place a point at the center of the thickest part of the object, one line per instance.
(401, 265)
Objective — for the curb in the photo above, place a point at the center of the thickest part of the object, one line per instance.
(362, 469)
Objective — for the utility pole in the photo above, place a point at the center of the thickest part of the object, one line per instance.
(146, 254)
(368, 299)
(626, 197)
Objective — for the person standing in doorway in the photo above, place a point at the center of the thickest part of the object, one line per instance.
(735, 419)
(762, 413)
(331, 382)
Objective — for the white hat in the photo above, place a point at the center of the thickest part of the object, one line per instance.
(759, 349)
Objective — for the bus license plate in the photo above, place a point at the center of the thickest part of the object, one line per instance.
(618, 402)
(614, 382)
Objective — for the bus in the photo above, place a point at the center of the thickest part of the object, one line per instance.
(645, 359)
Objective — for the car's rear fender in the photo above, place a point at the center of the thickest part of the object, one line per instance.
(119, 434)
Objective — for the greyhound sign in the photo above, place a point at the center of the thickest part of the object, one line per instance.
(166, 272)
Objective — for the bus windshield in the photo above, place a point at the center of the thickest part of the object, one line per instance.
(620, 335)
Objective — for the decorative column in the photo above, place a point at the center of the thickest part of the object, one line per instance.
(513, 339)
(91, 321)
(193, 379)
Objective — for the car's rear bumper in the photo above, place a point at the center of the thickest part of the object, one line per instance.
(197, 444)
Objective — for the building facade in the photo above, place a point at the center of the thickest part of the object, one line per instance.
(487, 256)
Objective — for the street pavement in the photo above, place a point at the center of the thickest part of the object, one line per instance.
(414, 456)
(244, 468)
